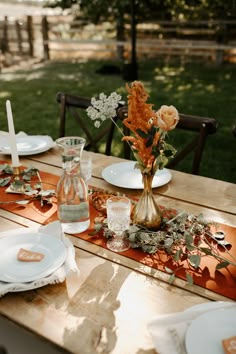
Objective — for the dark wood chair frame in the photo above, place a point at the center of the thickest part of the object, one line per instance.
(202, 126)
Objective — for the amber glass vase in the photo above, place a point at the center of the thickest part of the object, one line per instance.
(146, 212)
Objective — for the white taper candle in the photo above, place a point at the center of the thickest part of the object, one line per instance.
(12, 137)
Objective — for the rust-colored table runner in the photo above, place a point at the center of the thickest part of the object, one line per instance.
(221, 281)
(33, 210)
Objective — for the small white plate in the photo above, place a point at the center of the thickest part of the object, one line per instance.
(206, 332)
(12, 270)
(27, 144)
(124, 175)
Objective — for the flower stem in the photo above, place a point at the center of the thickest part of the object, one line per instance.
(117, 126)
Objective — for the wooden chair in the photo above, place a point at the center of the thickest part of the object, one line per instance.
(72, 106)
(201, 126)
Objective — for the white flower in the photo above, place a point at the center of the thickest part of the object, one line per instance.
(97, 124)
(93, 101)
(92, 113)
(102, 96)
(103, 117)
(103, 108)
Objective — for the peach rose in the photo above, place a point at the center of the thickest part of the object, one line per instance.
(167, 117)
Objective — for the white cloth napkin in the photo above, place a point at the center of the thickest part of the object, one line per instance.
(59, 275)
(168, 331)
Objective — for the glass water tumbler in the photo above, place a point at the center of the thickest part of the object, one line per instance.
(72, 192)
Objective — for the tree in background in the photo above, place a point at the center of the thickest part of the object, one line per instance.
(120, 12)
(100, 10)
(137, 11)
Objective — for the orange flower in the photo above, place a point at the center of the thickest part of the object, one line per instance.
(148, 128)
(139, 112)
(140, 118)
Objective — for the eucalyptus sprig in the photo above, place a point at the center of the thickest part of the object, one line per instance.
(186, 238)
(26, 174)
(23, 184)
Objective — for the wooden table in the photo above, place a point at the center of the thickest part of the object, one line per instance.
(107, 309)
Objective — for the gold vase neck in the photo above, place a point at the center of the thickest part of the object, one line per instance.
(147, 212)
(147, 181)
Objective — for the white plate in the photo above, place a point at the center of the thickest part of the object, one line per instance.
(206, 332)
(12, 270)
(27, 144)
(124, 175)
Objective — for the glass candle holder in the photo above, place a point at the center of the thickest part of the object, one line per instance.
(118, 218)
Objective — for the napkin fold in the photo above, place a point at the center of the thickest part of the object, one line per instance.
(68, 267)
(168, 331)
(54, 229)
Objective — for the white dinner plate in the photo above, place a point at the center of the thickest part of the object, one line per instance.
(206, 332)
(12, 270)
(124, 175)
(27, 144)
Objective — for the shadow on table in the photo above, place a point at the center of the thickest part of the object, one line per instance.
(95, 304)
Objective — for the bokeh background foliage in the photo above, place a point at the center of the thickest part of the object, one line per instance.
(194, 88)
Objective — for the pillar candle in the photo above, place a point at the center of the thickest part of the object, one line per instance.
(12, 137)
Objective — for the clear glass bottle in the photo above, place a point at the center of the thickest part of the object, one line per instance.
(72, 192)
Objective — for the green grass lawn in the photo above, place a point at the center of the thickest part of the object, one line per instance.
(196, 88)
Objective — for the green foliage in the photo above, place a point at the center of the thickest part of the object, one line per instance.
(189, 279)
(171, 279)
(34, 190)
(6, 168)
(185, 238)
(100, 10)
(4, 181)
(195, 260)
(18, 185)
(221, 265)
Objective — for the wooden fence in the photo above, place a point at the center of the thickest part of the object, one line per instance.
(21, 38)
(54, 37)
(17, 36)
